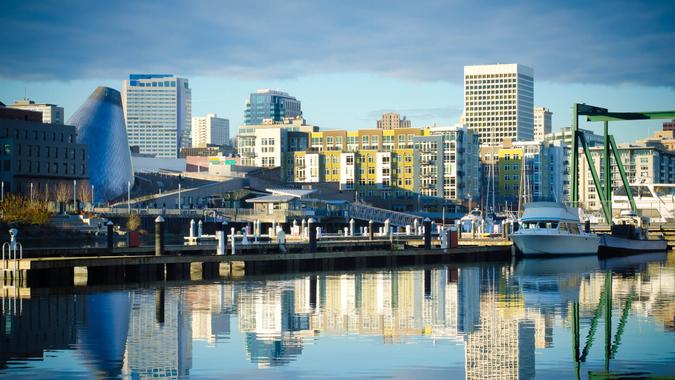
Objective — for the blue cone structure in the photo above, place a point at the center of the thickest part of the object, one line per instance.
(100, 125)
(103, 337)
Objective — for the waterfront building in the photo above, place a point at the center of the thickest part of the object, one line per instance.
(210, 130)
(272, 143)
(394, 168)
(669, 125)
(270, 104)
(664, 138)
(206, 151)
(531, 170)
(100, 125)
(448, 165)
(642, 160)
(158, 113)
(392, 120)
(498, 102)
(542, 122)
(565, 136)
(51, 113)
(378, 164)
(39, 158)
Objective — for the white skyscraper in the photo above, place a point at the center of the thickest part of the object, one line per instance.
(158, 113)
(210, 129)
(542, 122)
(498, 102)
(51, 114)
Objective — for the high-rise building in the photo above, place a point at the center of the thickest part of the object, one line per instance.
(542, 122)
(392, 120)
(210, 130)
(51, 114)
(158, 113)
(498, 102)
(270, 104)
(669, 125)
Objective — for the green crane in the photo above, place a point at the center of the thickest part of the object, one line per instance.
(604, 190)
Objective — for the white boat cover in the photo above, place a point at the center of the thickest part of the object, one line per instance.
(549, 211)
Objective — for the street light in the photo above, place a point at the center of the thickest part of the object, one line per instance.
(75, 194)
(179, 186)
(3, 190)
(31, 192)
(92, 196)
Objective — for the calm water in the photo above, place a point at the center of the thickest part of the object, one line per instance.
(473, 321)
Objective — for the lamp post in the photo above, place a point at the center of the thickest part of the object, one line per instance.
(31, 192)
(92, 196)
(129, 197)
(3, 190)
(75, 194)
(179, 186)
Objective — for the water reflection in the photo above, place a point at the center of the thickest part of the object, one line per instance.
(499, 314)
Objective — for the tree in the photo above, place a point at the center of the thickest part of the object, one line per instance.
(62, 194)
(83, 191)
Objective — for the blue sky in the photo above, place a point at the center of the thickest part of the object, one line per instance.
(346, 61)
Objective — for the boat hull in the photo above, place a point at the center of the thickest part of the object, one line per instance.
(556, 245)
(612, 245)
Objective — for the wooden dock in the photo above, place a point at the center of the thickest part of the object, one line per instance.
(100, 266)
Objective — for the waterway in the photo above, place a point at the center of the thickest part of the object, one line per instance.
(562, 318)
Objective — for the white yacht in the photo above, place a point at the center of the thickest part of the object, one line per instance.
(654, 200)
(549, 228)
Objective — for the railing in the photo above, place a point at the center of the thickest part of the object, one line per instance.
(364, 212)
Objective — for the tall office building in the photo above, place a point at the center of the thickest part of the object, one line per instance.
(392, 120)
(669, 125)
(51, 114)
(210, 130)
(542, 122)
(158, 112)
(498, 102)
(270, 104)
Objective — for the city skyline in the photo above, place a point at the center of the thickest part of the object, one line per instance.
(345, 81)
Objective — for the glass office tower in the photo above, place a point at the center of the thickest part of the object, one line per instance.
(270, 104)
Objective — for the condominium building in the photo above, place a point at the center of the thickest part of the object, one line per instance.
(498, 102)
(269, 144)
(210, 130)
(565, 135)
(393, 167)
(542, 122)
(531, 170)
(270, 104)
(51, 114)
(669, 125)
(448, 166)
(158, 113)
(642, 160)
(392, 120)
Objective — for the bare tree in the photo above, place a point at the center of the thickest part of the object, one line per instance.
(83, 191)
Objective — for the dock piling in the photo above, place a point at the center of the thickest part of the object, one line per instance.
(109, 237)
(427, 233)
(159, 236)
(311, 225)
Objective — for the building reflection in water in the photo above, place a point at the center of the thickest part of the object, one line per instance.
(500, 314)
